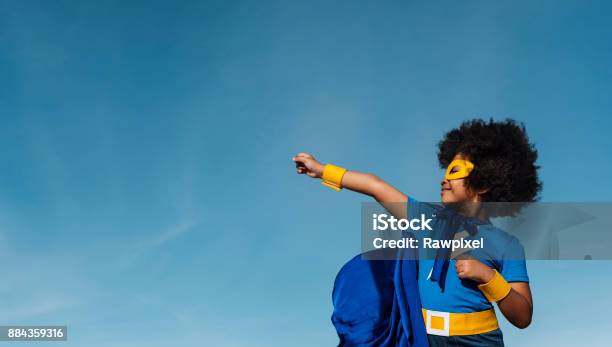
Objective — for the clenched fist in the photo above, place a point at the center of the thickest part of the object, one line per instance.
(307, 164)
(472, 269)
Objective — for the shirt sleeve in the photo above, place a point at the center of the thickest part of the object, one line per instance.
(514, 267)
(413, 207)
(416, 208)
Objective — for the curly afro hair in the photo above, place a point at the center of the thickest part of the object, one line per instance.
(504, 159)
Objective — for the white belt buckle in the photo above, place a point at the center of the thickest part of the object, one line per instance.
(443, 315)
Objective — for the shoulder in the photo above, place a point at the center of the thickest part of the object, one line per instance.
(496, 233)
(418, 206)
(500, 243)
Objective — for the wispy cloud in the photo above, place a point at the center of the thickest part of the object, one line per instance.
(35, 308)
(172, 233)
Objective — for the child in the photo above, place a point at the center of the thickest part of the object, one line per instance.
(486, 162)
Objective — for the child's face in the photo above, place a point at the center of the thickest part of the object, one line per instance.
(456, 191)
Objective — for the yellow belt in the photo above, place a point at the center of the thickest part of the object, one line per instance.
(452, 324)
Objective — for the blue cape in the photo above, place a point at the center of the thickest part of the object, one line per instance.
(377, 303)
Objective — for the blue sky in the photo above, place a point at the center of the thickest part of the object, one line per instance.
(148, 198)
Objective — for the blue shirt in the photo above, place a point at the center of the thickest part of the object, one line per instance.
(501, 251)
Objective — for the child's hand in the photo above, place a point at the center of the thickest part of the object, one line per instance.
(472, 269)
(307, 164)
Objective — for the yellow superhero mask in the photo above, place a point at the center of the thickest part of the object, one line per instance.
(458, 169)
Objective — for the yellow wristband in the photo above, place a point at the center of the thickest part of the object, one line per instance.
(496, 289)
(332, 176)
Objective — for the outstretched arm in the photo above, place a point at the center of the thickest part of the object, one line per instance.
(390, 197)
